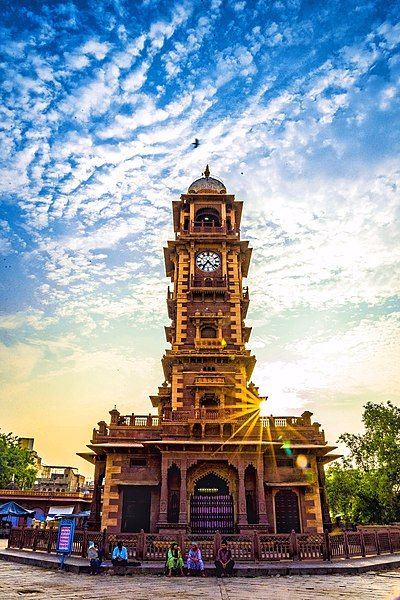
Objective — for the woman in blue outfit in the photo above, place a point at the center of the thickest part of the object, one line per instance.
(195, 562)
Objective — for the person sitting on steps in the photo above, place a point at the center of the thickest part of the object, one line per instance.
(174, 561)
(119, 558)
(224, 562)
(195, 562)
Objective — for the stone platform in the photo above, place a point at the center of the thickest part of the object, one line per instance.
(24, 581)
(244, 569)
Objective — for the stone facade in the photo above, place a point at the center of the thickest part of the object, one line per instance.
(208, 460)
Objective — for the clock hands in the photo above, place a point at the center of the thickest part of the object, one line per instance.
(208, 261)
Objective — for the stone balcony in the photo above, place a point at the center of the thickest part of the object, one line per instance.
(209, 343)
(209, 380)
(298, 430)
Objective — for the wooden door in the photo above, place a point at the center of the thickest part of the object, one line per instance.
(136, 508)
(287, 512)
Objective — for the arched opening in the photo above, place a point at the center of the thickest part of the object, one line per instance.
(197, 431)
(287, 512)
(208, 332)
(250, 486)
(207, 217)
(227, 430)
(211, 506)
(209, 401)
(174, 486)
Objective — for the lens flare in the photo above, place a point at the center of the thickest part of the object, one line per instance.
(263, 408)
(286, 447)
(301, 461)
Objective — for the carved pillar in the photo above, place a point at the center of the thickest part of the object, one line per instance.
(164, 490)
(262, 508)
(242, 513)
(183, 495)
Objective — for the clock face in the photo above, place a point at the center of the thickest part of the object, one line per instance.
(208, 261)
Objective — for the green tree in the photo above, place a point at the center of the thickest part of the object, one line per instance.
(16, 463)
(365, 486)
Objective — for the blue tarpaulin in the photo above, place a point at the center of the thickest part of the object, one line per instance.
(12, 509)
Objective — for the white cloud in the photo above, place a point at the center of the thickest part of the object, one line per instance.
(97, 49)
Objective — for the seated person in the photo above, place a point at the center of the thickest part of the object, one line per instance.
(174, 561)
(195, 562)
(224, 562)
(93, 556)
(120, 556)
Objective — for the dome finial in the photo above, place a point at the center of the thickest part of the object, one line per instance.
(207, 171)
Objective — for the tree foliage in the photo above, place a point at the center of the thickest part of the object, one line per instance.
(16, 463)
(365, 486)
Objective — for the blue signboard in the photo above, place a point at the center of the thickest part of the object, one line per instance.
(66, 530)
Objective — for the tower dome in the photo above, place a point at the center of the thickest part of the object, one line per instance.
(207, 185)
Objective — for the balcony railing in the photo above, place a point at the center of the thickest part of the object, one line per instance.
(221, 413)
(138, 420)
(209, 380)
(208, 343)
(207, 414)
(45, 494)
(208, 282)
(200, 227)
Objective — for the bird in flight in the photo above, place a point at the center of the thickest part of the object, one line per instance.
(196, 143)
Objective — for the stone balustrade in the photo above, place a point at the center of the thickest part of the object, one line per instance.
(252, 546)
(294, 428)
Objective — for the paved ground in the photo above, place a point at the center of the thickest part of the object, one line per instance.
(22, 581)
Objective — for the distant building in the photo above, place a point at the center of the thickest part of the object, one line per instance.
(53, 478)
(57, 490)
(59, 479)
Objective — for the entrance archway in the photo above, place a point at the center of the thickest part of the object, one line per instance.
(287, 514)
(211, 506)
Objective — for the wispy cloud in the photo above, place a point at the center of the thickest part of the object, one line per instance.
(293, 107)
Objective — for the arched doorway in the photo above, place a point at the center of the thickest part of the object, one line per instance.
(250, 486)
(174, 485)
(211, 506)
(287, 514)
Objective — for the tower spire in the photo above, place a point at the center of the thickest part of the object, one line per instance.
(207, 171)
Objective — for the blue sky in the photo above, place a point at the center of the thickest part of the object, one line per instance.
(296, 106)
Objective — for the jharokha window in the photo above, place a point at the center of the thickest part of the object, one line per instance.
(208, 400)
(208, 332)
(208, 217)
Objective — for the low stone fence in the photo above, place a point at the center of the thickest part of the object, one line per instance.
(253, 546)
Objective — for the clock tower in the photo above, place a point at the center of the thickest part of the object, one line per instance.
(208, 365)
(208, 460)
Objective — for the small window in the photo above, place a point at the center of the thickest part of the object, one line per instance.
(285, 462)
(208, 332)
(138, 461)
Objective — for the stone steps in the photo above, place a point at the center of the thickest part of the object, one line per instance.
(253, 569)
